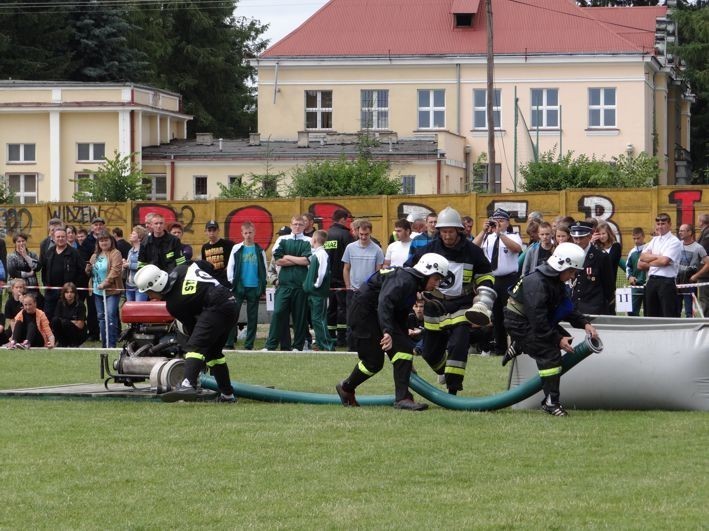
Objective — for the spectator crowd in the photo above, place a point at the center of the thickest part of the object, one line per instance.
(72, 290)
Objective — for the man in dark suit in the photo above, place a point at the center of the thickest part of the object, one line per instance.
(594, 290)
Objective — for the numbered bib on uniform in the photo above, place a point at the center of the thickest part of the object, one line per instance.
(270, 296)
(623, 300)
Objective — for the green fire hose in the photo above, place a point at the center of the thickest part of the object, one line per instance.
(418, 384)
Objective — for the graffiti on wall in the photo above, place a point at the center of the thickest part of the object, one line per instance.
(184, 215)
(14, 220)
(601, 208)
(259, 216)
(686, 201)
(83, 215)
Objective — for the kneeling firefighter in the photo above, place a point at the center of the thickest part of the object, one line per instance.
(447, 312)
(207, 311)
(389, 295)
(537, 303)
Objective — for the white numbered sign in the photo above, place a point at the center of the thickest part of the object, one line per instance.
(623, 300)
(270, 296)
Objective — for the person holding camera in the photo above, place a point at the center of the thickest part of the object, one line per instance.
(502, 248)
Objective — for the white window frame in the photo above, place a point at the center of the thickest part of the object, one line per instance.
(78, 175)
(496, 109)
(22, 195)
(375, 115)
(602, 107)
(232, 179)
(92, 151)
(151, 180)
(319, 110)
(23, 159)
(408, 184)
(480, 181)
(545, 109)
(194, 186)
(431, 109)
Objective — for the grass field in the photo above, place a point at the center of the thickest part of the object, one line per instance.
(114, 464)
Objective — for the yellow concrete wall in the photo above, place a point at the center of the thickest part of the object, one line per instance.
(624, 209)
(88, 94)
(25, 129)
(81, 128)
(284, 118)
(26, 95)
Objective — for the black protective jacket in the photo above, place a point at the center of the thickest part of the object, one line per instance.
(338, 237)
(190, 289)
(389, 294)
(541, 300)
(164, 252)
(466, 260)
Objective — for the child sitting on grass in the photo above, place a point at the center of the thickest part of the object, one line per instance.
(31, 327)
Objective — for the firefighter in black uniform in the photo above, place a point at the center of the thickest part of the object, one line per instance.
(207, 311)
(446, 328)
(338, 237)
(389, 294)
(594, 290)
(536, 305)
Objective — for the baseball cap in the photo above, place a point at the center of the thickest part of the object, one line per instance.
(211, 224)
(98, 219)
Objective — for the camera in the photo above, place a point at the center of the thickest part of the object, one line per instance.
(492, 224)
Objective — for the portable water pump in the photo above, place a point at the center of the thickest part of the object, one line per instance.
(152, 348)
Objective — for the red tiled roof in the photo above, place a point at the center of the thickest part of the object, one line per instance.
(425, 27)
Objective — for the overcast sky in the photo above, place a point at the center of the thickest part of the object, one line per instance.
(283, 16)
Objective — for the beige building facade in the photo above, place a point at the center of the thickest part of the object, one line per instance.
(576, 80)
(52, 132)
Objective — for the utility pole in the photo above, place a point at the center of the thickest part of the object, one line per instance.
(490, 103)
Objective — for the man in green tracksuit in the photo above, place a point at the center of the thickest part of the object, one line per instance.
(246, 273)
(290, 253)
(317, 289)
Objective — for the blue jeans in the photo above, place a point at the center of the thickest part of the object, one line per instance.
(111, 313)
(133, 295)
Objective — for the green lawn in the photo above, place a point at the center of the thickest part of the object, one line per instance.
(93, 464)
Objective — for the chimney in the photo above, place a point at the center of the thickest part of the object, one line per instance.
(254, 139)
(303, 139)
(204, 139)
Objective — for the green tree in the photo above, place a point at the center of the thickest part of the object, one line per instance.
(116, 180)
(34, 42)
(693, 27)
(552, 172)
(101, 47)
(342, 177)
(7, 194)
(205, 58)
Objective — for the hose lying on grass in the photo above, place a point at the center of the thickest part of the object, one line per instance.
(418, 384)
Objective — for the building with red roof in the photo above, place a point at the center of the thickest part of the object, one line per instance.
(597, 81)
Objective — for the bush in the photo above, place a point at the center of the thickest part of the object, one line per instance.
(552, 172)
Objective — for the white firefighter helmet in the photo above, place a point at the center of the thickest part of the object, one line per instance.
(432, 263)
(150, 278)
(449, 217)
(567, 255)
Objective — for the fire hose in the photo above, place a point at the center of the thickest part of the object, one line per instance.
(418, 384)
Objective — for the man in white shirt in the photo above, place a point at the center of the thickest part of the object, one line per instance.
(661, 260)
(502, 249)
(398, 251)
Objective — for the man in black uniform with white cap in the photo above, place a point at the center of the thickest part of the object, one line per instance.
(594, 290)
(207, 311)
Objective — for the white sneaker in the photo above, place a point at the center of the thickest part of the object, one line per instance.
(486, 353)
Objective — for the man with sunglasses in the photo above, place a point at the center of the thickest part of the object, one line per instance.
(661, 260)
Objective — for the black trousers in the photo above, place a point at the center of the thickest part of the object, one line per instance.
(66, 333)
(337, 316)
(502, 285)
(27, 331)
(660, 297)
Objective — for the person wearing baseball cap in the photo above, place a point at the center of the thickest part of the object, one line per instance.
(217, 251)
